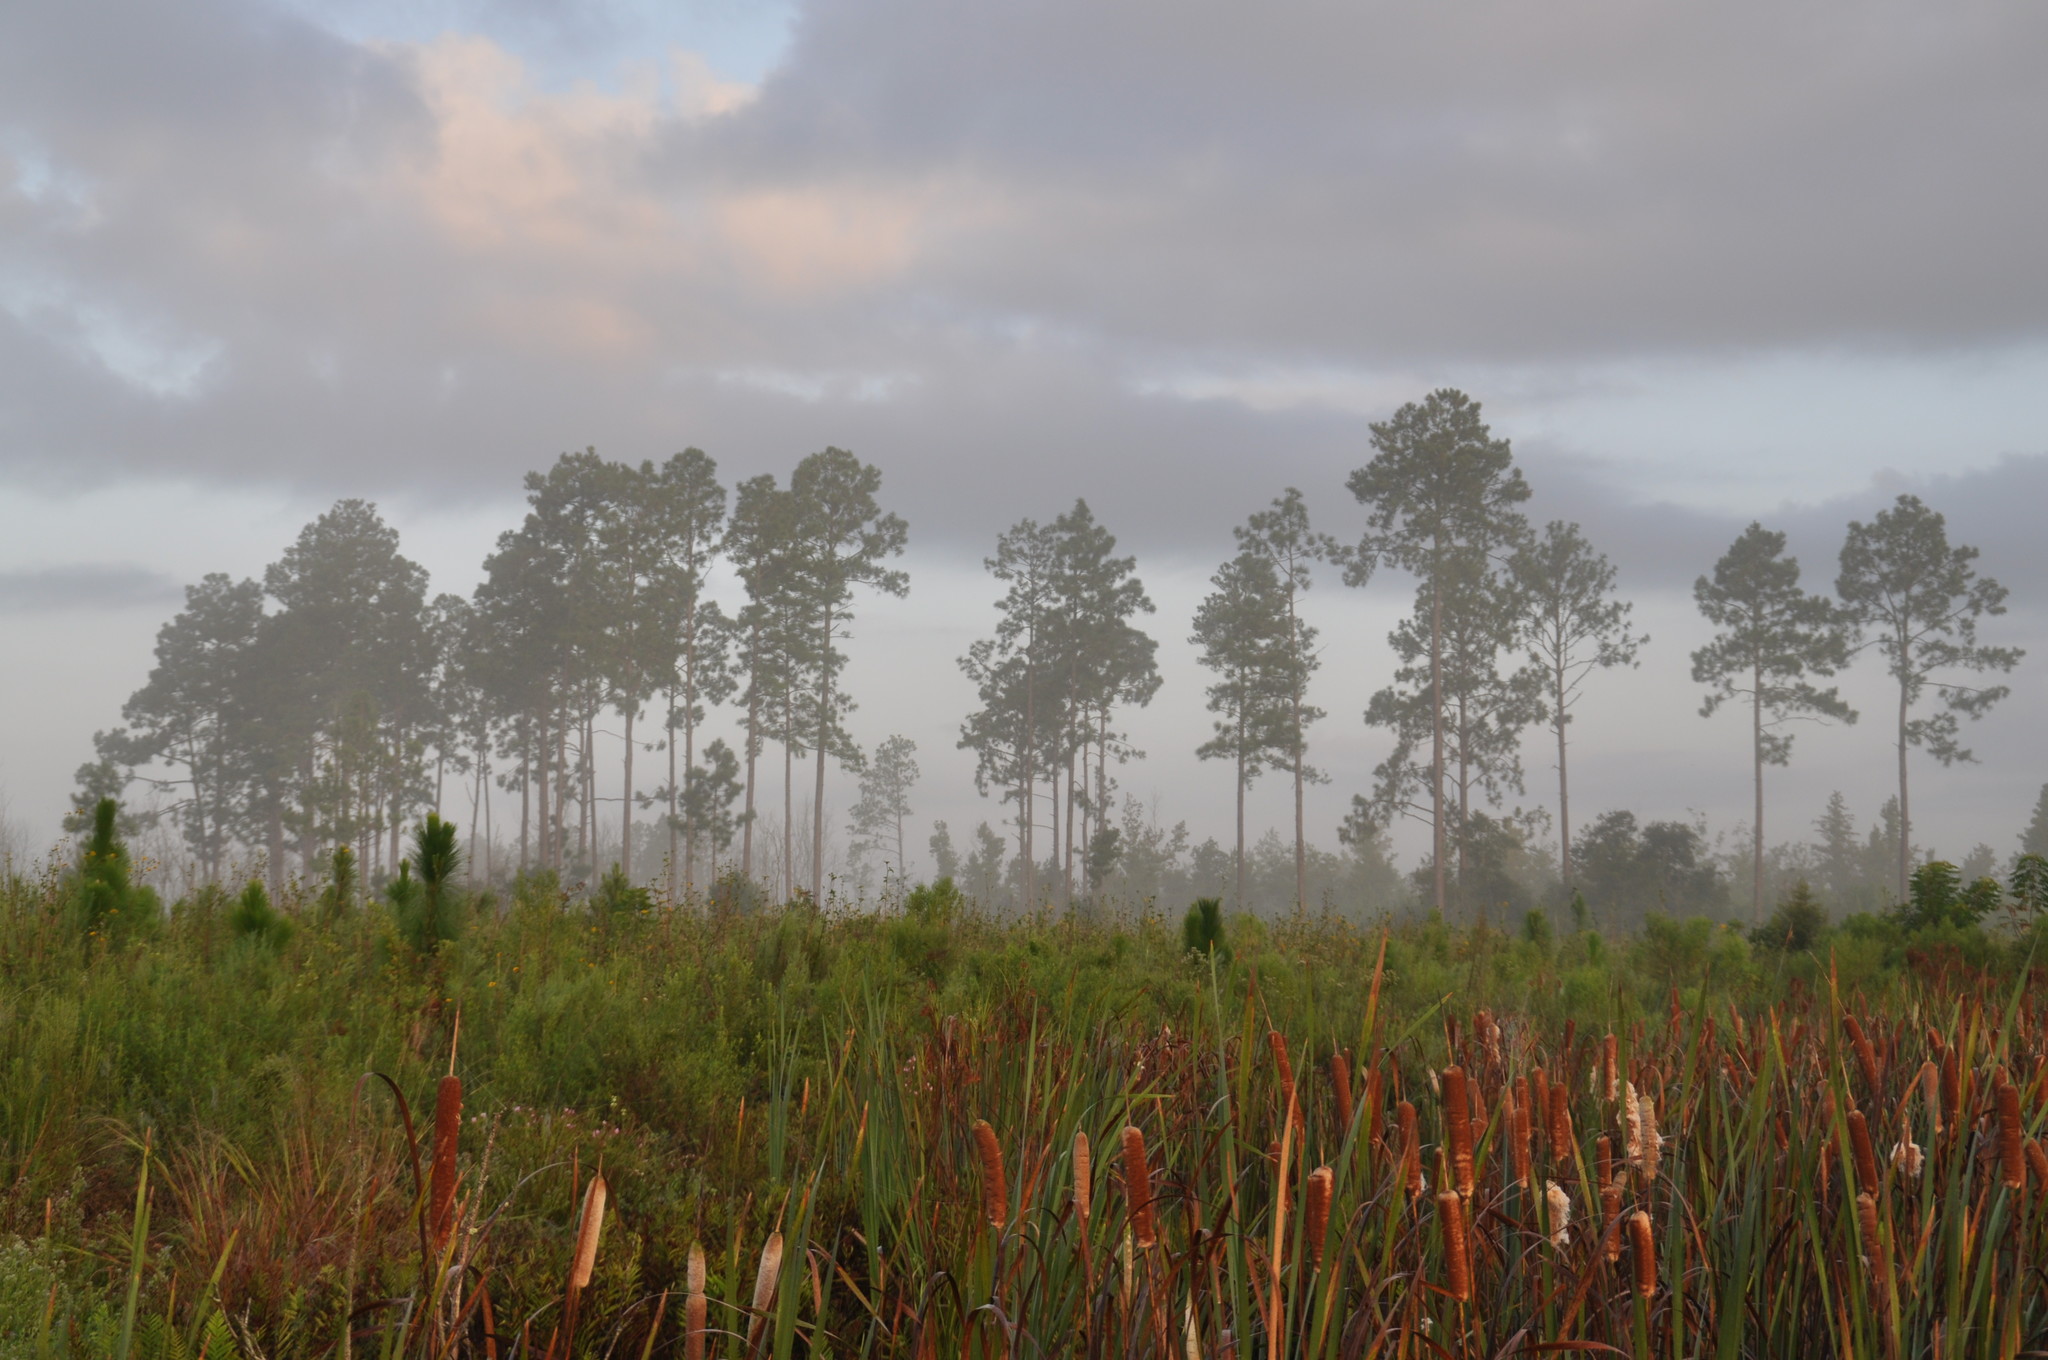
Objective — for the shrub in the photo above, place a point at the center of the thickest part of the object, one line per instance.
(105, 903)
(1796, 926)
(253, 918)
(1202, 930)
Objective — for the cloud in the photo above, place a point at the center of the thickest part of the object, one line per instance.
(83, 587)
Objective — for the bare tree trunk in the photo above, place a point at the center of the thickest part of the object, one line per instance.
(1069, 887)
(1240, 807)
(787, 880)
(1436, 725)
(626, 816)
(1756, 868)
(526, 771)
(1029, 814)
(1905, 814)
(753, 752)
(1564, 804)
(1300, 823)
(670, 695)
(824, 735)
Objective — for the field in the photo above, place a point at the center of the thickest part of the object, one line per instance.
(705, 1131)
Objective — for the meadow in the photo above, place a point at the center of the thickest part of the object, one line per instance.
(602, 1125)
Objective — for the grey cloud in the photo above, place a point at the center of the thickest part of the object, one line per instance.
(83, 586)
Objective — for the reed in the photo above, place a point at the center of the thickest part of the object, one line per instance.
(1450, 1213)
(995, 1190)
(1138, 1188)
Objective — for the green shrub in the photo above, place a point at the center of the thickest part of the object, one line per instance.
(1201, 932)
(105, 903)
(252, 918)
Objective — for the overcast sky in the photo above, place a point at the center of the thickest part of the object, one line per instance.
(1702, 264)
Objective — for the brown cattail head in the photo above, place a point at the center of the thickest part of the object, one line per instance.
(1865, 1155)
(1290, 1098)
(1321, 1182)
(1930, 1091)
(1610, 1213)
(2012, 1158)
(587, 1229)
(1562, 1143)
(1458, 1128)
(1340, 1090)
(1084, 1170)
(1450, 1211)
(441, 1185)
(1610, 1064)
(2037, 1162)
(1138, 1186)
(694, 1307)
(1644, 1249)
(1411, 1149)
(995, 1190)
(1603, 1160)
(766, 1276)
(1866, 1223)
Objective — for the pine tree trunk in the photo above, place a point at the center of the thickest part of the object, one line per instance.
(1905, 814)
(786, 880)
(753, 751)
(526, 753)
(1240, 807)
(1028, 814)
(1564, 802)
(626, 816)
(1756, 868)
(1300, 743)
(1436, 727)
(824, 740)
(671, 697)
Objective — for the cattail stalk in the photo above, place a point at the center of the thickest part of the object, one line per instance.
(1292, 1101)
(1610, 1213)
(1375, 1097)
(1450, 1209)
(1930, 1091)
(1340, 1087)
(1518, 1131)
(1084, 1188)
(1562, 1144)
(1610, 1064)
(1865, 1155)
(1138, 1187)
(1603, 1161)
(995, 1190)
(1866, 1056)
(2037, 1162)
(1411, 1149)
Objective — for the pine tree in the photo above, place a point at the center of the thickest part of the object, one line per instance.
(1243, 632)
(1901, 579)
(885, 785)
(1440, 490)
(1282, 533)
(1772, 635)
(1573, 624)
(2034, 840)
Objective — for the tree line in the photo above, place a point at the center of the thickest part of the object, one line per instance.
(332, 701)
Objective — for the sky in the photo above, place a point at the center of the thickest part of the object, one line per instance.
(1701, 264)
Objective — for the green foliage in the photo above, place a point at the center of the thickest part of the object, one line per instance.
(1202, 930)
(253, 918)
(1536, 928)
(105, 902)
(1937, 897)
(1796, 926)
(423, 896)
(617, 897)
(2029, 883)
(338, 896)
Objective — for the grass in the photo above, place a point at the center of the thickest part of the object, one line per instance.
(684, 1132)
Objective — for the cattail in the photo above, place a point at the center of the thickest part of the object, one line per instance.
(1562, 1143)
(1951, 1089)
(1340, 1087)
(1859, 1145)
(1539, 1108)
(694, 1306)
(1908, 1158)
(1631, 1124)
(1645, 1252)
(1559, 1206)
(1138, 1186)
(1866, 1221)
(1518, 1129)
(2037, 1162)
(1610, 1055)
(441, 1186)
(1292, 1102)
(1375, 1097)
(1320, 1183)
(1458, 1128)
(1411, 1149)
(2012, 1159)
(1610, 1212)
(766, 1276)
(587, 1229)
(995, 1190)
(1866, 1056)
(1930, 1091)
(1603, 1160)
(1083, 1170)
(1450, 1208)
